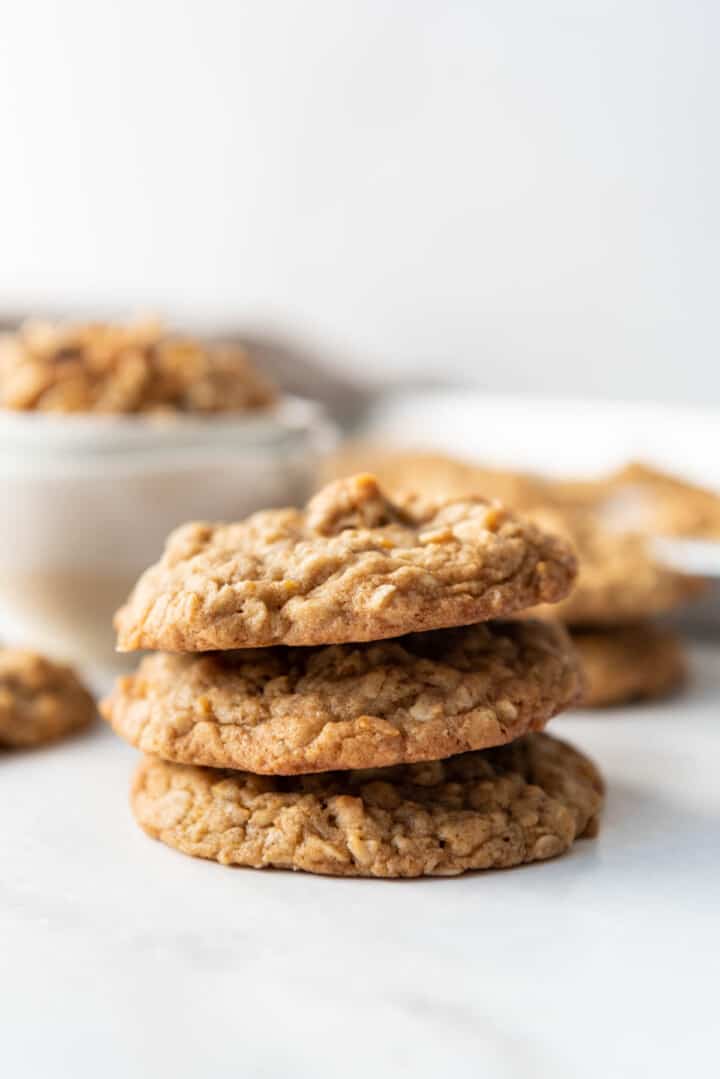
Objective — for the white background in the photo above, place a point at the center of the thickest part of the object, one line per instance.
(525, 191)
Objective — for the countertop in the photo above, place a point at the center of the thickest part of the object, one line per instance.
(123, 958)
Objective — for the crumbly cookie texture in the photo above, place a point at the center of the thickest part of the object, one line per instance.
(291, 710)
(604, 519)
(487, 810)
(99, 367)
(637, 662)
(39, 700)
(636, 498)
(352, 566)
(619, 580)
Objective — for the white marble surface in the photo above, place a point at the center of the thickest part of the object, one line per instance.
(121, 958)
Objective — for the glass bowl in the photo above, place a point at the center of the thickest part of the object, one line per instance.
(89, 500)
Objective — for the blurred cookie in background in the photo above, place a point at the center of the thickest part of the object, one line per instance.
(636, 662)
(662, 503)
(434, 475)
(620, 579)
(40, 700)
(636, 497)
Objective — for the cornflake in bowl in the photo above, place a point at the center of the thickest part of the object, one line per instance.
(112, 368)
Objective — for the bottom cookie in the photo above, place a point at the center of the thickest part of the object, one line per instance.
(629, 663)
(490, 809)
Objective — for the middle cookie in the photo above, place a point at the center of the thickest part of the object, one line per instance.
(286, 711)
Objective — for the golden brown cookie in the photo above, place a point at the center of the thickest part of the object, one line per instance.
(662, 503)
(435, 475)
(39, 700)
(352, 566)
(290, 710)
(487, 810)
(124, 368)
(636, 662)
(636, 498)
(619, 580)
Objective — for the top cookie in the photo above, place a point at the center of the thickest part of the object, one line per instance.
(136, 367)
(351, 566)
(604, 520)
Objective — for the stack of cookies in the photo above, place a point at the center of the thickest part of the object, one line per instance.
(336, 694)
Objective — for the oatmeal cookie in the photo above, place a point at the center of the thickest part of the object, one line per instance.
(662, 503)
(39, 700)
(486, 810)
(352, 566)
(290, 710)
(137, 367)
(619, 579)
(636, 662)
(436, 475)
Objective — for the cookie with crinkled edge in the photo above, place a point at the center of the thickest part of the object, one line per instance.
(291, 710)
(629, 663)
(493, 809)
(352, 566)
(40, 700)
(619, 578)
